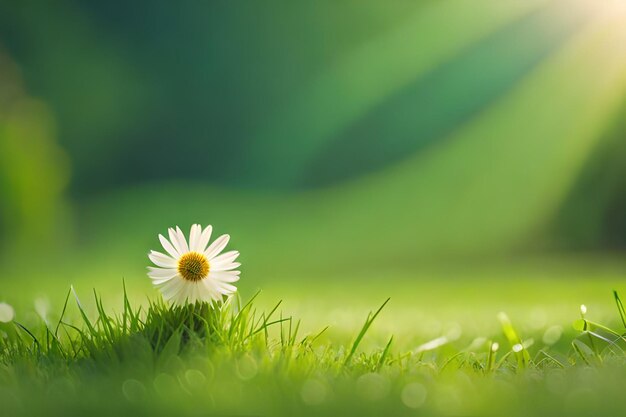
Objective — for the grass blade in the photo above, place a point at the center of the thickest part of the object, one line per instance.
(620, 307)
(368, 322)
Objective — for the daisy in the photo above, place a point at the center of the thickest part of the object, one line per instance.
(192, 271)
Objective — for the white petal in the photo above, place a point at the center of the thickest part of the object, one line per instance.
(161, 281)
(226, 288)
(216, 247)
(171, 288)
(174, 292)
(194, 237)
(203, 293)
(191, 292)
(198, 291)
(185, 295)
(212, 289)
(224, 276)
(174, 239)
(204, 238)
(225, 258)
(161, 273)
(182, 241)
(195, 294)
(224, 267)
(169, 248)
(162, 260)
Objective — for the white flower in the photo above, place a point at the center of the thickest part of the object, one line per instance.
(194, 272)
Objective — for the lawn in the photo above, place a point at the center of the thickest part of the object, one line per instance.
(326, 348)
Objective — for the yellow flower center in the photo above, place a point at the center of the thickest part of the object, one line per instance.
(193, 266)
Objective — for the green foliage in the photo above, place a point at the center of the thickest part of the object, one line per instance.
(33, 168)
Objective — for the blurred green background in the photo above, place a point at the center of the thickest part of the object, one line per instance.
(378, 146)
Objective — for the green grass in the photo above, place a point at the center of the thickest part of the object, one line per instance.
(236, 359)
